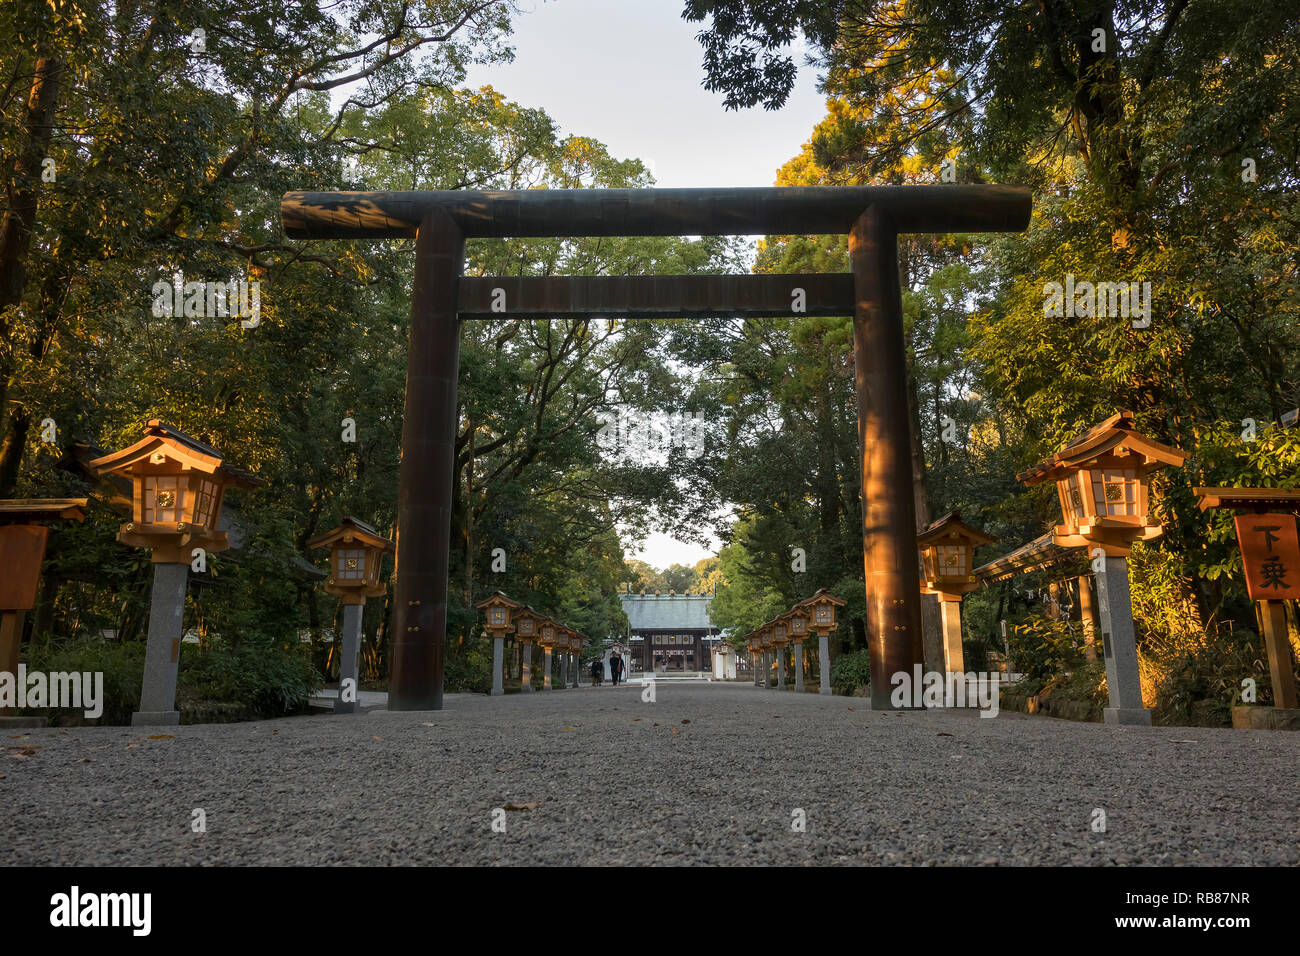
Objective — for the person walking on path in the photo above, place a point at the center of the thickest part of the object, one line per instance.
(597, 672)
(616, 668)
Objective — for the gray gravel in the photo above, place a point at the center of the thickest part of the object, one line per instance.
(613, 784)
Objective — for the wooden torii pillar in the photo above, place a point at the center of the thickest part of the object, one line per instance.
(441, 221)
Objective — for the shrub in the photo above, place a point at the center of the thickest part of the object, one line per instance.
(851, 671)
(255, 681)
(121, 664)
(470, 671)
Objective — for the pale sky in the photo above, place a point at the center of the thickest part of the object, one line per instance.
(627, 73)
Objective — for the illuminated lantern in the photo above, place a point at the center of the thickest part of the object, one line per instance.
(498, 612)
(947, 560)
(356, 553)
(528, 628)
(547, 638)
(820, 609)
(1102, 482)
(178, 486)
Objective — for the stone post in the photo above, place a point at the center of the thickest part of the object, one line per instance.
(526, 666)
(546, 668)
(349, 652)
(954, 660)
(824, 661)
(163, 650)
(798, 666)
(780, 668)
(498, 652)
(1119, 646)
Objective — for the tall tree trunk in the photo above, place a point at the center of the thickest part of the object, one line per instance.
(15, 241)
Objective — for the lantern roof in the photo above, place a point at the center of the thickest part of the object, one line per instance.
(822, 595)
(160, 438)
(951, 526)
(498, 599)
(1113, 436)
(352, 530)
(1248, 499)
(39, 510)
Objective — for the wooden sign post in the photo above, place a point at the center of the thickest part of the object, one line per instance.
(23, 535)
(1270, 558)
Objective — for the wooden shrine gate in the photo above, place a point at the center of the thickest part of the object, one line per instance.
(441, 221)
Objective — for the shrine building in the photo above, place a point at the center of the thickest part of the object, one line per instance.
(670, 633)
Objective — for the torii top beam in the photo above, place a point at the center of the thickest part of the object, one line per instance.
(782, 210)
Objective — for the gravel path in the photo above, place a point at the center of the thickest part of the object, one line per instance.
(707, 774)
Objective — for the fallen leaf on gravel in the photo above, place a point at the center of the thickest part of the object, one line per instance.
(426, 723)
(850, 708)
(1172, 741)
(129, 746)
(570, 728)
(162, 737)
(676, 731)
(522, 806)
(275, 731)
(379, 738)
(686, 721)
(635, 719)
(656, 724)
(84, 760)
(943, 735)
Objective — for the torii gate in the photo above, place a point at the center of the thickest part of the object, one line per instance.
(441, 221)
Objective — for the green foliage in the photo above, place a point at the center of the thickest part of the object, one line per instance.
(470, 672)
(851, 671)
(121, 664)
(1042, 648)
(221, 683)
(257, 681)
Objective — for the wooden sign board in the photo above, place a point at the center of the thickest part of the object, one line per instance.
(1270, 554)
(22, 549)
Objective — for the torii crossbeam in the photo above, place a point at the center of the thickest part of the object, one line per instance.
(441, 221)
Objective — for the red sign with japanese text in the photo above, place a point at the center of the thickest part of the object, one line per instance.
(1270, 553)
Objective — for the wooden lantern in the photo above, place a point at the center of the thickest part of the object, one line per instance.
(798, 620)
(1102, 480)
(821, 610)
(499, 614)
(947, 556)
(178, 486)
(528, 623)
(780, 632)
(547, 633)
(356, 554)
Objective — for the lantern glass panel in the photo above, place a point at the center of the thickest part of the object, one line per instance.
(164, 499)
(823, 614)
(349, 564)
(498, 617)
(526, 626)
(203, 502)
(952, 560)
(796, 625)
(1116, 491)
(780, 632)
